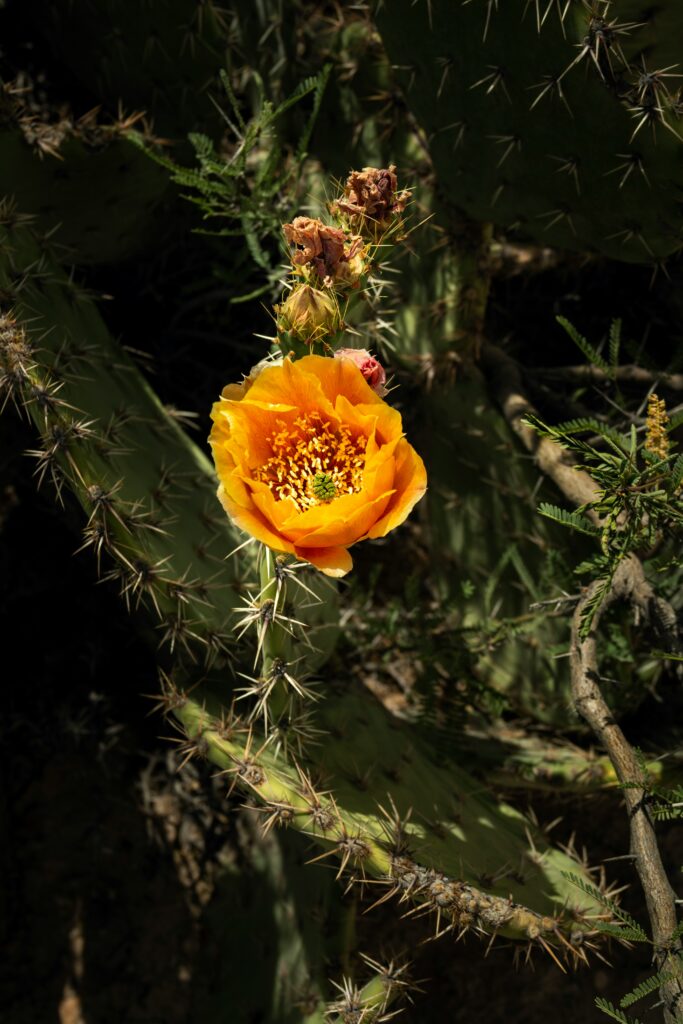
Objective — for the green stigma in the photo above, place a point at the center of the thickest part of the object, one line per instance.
(324, 487)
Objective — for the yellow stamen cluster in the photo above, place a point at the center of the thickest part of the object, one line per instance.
(313, 461)
(657, 438)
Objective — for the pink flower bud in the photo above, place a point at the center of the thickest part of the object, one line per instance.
(373, 371)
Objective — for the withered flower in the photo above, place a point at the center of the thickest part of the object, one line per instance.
(329, 252)
(371, 195)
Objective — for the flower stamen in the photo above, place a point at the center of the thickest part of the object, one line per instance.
(313, 461)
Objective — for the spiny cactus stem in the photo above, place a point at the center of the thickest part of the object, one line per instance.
(368, 852)
(375, 994)
(276, 649)
(472, 246)
(74, 452)
(368, 1004)
(275, 784)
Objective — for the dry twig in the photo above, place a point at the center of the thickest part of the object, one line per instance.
(629, 374)
(505, 377)
(629, 584)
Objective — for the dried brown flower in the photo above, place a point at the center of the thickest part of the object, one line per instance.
(372, 195)
(330, 252)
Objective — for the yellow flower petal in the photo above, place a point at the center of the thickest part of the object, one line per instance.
(332, 561)
(410, 484)
(385, 421)
(343, 527)
(273, 436)
(339, 377)
(252, 523)
(289, 384)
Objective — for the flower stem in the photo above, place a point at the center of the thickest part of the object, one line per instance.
(276, 649)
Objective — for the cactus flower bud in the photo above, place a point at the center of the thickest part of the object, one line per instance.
(309, 314)
(372, 370)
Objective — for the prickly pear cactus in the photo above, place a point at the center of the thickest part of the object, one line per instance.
(268, 916)
(471, 861)
(165, 58)
(581, 99)
(247, 668)
(492, 554)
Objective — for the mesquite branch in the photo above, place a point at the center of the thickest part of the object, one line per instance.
(628, 374)
(505, 377)
(629, 584)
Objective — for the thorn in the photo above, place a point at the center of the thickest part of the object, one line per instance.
(494, 79)
(569, 166)
(446, 63)
(171, 698)
(551, 84)
(632, 161)
(498, 192)
(461, 127)
(554, 216)
(247, 769)
(628, 234)
(491, 5)
(550, 953)
(511, 142)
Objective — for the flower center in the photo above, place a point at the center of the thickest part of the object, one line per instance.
(313, 461)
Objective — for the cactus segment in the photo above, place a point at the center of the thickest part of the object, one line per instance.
(584, 105)
(387, 813)
(494, 551)
(371, 1002)
(160, 57)
(504, 572)
(88, 185)
(147, 490)
(512, 759)
(266, 918)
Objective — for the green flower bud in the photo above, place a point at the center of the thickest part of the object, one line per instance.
(309, 314)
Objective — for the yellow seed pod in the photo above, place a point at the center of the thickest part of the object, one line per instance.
(657, 438)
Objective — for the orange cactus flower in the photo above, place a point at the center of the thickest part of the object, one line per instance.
(311, 460)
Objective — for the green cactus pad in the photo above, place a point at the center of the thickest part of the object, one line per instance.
(266, 917)
(533, 123)
(96, 192)
(159, 57)
(390, 814)
(502, 570)
(149, 492)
